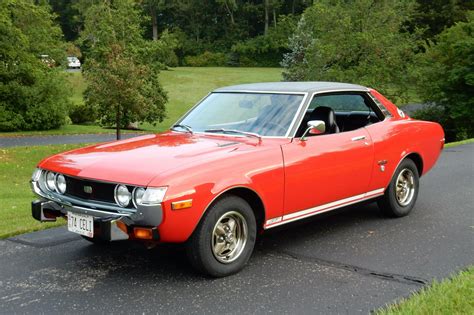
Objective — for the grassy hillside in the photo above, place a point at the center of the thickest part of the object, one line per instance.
(185, 86)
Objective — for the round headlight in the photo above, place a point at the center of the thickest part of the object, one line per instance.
(122, 195)
(50, 181)
(138, 193)
(60, 184)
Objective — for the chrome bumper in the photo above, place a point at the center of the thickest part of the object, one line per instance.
(101, 211)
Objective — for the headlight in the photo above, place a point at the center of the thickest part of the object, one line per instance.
(122, 195)
(137, 195)
(154, 196)
(60, 184)
(50, 179)
(36, 175)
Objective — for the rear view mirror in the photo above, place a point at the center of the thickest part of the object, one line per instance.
(315, 127)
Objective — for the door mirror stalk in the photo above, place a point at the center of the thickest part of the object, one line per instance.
(315, 127)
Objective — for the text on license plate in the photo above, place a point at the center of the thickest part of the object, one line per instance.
(80, 224)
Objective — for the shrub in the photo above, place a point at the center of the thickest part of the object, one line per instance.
(40, 104)
(206, 59)
(82, 113)
(32, 96)
(447, 78)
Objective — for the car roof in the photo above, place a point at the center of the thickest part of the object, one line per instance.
(295, 87)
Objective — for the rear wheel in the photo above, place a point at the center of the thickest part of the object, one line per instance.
(401, 194)
(224, 239)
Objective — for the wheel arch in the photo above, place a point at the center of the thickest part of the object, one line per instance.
(247, 194)
(417, 159)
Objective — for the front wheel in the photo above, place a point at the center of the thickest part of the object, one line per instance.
(401, 194)
(224, 240)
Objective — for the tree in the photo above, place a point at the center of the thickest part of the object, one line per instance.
(230, 7)
(354, 41)
(153, 7)
(431, 17)
(32, 95)
(447, 79)
(123, 90)
(122, 82)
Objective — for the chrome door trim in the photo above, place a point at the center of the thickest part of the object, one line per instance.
(294, 216)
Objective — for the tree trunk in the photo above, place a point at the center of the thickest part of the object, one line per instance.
(293, 7)
(267, 5)
(154, 23)
(117, 124)
(231, 13)
(274, 18)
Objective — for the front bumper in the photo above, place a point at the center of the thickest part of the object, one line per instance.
(52, 205)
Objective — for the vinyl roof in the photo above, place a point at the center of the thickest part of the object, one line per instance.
(303, 87)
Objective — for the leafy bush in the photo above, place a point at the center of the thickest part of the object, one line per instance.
(447, 78)
(267, 50)
(32, 96)
(160, 52)
(354, 41)
(83, 113)
(206, 59)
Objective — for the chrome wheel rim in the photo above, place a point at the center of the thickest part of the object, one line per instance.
(229, 237)
(405, 187)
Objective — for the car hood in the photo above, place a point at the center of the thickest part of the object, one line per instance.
(138, 160)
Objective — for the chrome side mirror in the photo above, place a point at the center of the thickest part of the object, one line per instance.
(315, 127)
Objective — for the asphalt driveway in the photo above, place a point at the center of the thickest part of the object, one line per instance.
(353, 261)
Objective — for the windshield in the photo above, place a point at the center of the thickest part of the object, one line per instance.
(264, 114)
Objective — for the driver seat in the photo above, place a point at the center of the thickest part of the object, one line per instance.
(327, 115)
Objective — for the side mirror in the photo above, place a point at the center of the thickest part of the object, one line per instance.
(315, 127)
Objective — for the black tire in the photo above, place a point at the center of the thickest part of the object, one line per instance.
(389, 204)
(200, 246)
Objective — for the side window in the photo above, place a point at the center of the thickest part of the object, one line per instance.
(340, 102)
(340, 112)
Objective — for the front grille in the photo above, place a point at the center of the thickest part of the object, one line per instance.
(99, 191)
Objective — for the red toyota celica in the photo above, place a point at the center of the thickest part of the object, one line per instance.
(245, 159)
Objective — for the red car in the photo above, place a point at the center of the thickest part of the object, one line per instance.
(245, 159)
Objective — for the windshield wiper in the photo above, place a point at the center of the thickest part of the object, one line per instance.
(245, 133)
(183, 126)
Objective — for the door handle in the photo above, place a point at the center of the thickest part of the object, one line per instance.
(359, 138)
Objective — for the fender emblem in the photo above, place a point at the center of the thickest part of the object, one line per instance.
(88, 189)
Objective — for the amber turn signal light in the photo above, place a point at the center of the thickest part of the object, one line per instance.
(143, 233)
(178, 205)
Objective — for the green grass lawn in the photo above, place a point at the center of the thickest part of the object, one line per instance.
(452, 296)
(185, 87)
(16, 167)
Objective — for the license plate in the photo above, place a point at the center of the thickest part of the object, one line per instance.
(80, 224)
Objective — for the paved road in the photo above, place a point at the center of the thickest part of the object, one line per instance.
(350, 262)
(66, 139)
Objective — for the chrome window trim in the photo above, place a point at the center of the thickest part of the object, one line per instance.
(288, 132)
(380, 106)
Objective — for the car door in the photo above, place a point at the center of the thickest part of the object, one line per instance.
(326, 171)
(331, 170)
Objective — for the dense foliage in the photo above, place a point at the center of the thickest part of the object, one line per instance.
(33, 96)
(230, 27)
(121, 72)
(447, 80)
(354, 41)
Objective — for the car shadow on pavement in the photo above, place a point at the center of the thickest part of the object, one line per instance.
(168, 261)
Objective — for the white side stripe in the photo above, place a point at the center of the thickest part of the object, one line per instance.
(323, 208)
